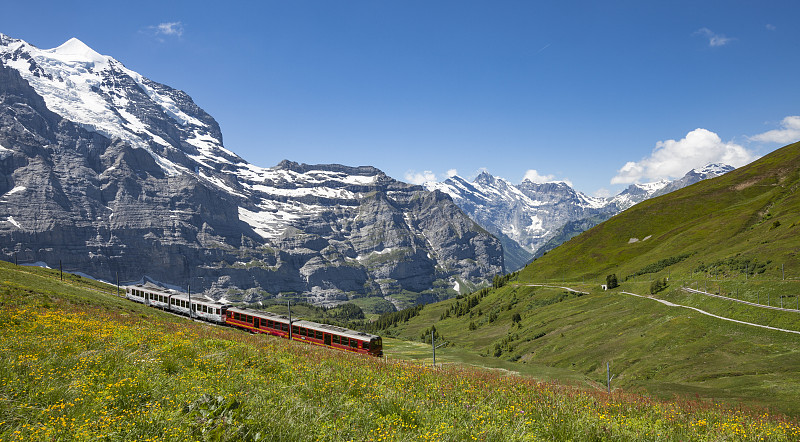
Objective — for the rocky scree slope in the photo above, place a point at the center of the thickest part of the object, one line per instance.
(114, 174)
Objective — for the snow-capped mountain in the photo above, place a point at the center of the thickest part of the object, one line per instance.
(533, 218)
(109, 172)
(635, 194)
(694, 176)
(526, 214)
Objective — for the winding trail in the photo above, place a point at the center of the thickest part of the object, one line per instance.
(772, 307)
(671, 304)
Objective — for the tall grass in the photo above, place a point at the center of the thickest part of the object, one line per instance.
(116, 371)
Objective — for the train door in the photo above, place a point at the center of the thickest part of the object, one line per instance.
(327, 339)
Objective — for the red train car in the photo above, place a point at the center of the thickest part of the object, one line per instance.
(307, 331)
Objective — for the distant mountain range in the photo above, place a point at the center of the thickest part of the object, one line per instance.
(111, 173)
(533, 218)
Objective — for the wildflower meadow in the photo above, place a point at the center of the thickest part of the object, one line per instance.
(73, 369)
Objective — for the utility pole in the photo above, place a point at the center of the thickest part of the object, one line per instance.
(117, 273)
(433, 344)
(289, 307)
(60, 270)
(189, 293)
(783, 275)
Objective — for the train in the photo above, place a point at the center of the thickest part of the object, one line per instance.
(256, 321)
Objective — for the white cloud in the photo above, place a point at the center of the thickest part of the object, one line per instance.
(414, 177)
(451, 172)
(671, 159)
(788, 133)
(170, 28)
(602, 193)
(771, 27)
(714, 39)
(534, 176)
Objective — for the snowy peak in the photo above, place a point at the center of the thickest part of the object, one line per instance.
(101, 158)
(695, 175)
(523, 216)
(712, 170)
(76, 50)
(101, 95)
(635, 194)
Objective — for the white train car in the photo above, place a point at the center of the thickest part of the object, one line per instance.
(152, 296)
(197, 307)
(177, 302)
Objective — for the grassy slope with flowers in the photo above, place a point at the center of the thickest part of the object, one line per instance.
(738, 235)
(80, 365)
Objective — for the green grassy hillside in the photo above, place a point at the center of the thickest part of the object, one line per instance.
(651, 347)
(81, 364)
(737, 235)
(751, 213)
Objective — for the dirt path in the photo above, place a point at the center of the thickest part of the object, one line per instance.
(772, 307)
(670, 304)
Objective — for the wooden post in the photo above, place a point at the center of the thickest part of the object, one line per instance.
(60, 270)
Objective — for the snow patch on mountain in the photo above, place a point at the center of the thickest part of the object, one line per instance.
(93, 90)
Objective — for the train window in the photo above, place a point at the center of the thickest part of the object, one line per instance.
(216, 311)
(263, 322)
(295, 330)
(365, 345)
(335, 339)
(303, 332)
(319, 334)
(285, 327)
(236, 316)
(270, 324)
(353, 343)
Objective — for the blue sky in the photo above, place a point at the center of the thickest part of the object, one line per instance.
(597, 93)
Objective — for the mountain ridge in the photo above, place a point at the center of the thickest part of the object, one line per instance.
(532, 218)
(134, 175)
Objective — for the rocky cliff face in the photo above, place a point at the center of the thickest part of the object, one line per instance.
(112, 173)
